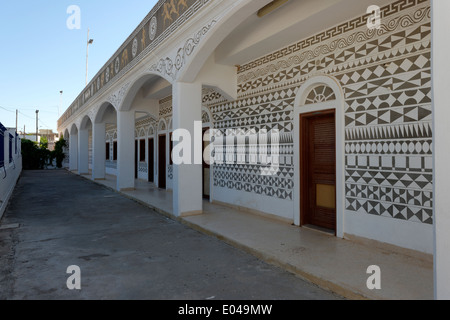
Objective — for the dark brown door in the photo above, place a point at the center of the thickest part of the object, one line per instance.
(135, 159)
(318, 169)
(151, 160)
(162, 161)
(206, 166)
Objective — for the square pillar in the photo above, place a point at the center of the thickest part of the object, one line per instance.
(441, 114)
(125, 152)
(73, 152)
(83, 151)
(98, 151)
(187, 178)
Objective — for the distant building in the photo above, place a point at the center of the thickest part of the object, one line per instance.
(51, 136)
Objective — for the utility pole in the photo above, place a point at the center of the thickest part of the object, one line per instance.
(89, 41)
(37, 125)
(17, 118)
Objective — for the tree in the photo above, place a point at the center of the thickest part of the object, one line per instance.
(43, 144)
(58, 153)
(37, 157)
(30, 155)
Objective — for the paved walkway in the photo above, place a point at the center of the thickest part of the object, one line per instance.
(336, 264)
(124, 250)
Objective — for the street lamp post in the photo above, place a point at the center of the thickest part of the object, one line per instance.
(37, 125)
(60, 103)
(89, 41)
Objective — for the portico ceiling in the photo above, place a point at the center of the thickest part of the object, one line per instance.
(296, 20)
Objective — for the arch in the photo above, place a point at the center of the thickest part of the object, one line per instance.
(142, 133)
(207, 117)
(151, 131)
(86, 123)
(162, 125)
(320, 93)
(132, 90)
(305, 103)
(222, 29)
(311, 85)
(73, 129)
(66, 135)
(102, 111)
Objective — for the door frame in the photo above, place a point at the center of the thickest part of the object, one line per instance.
(205, 166)
(159, 161)
(304, 159)
(301, 107)
(151, 159)
(209, 124)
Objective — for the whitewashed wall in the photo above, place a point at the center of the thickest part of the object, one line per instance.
(9, 174)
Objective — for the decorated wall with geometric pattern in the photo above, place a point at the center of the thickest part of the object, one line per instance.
(385, 75)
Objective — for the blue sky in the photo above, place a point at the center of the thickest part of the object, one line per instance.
(40, 56)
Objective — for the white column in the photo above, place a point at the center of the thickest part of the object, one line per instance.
(98, 151)
(73, 151)
(441, 114)
(125, 152)
(83, 151)
(187, 178)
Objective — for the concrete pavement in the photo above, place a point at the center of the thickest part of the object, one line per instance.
(335, 264)
(124, 250)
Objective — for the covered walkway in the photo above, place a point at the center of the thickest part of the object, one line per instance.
(330, 262)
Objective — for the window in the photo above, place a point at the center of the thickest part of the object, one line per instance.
(115, 151)
(10, 148)
(107, 151)
(142, 151)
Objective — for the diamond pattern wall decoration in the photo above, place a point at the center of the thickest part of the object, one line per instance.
(386, 79)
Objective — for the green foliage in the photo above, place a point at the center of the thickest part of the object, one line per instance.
(36, 157)
(58, 153)
(43, 144)
(30, 155)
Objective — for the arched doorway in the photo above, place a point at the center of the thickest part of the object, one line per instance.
(319, 152)
(207, 126)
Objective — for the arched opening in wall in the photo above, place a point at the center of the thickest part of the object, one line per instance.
(73, 150)
(162, 158)
(114, 147)
(319, 155)
(151, 154)
(144, 151)
(105, 150)
(207, 125)
(85, 146)
(66, 137)
(144, 99)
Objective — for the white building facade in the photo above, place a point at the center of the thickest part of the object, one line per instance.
(10, 164)
(342, 88)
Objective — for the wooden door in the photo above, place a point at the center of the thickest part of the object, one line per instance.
(151, 160)
(318, 169)
(162, 161)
